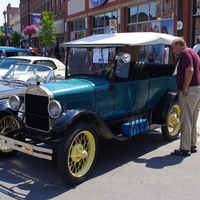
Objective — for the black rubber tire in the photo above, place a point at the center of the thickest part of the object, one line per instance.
(77, 153)
(172, 128)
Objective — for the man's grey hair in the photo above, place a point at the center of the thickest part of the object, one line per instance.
(179, 40)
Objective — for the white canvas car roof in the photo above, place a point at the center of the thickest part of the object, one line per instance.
(121, 39)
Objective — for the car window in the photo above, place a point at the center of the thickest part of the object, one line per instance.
(5, 64)
(41, 68)
(23, 54)
(21, 68)
(46, 62)
(8, 54)
(17, 53)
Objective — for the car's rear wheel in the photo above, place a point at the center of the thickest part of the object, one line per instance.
(77, 153)
(8, 123)
(172, 128)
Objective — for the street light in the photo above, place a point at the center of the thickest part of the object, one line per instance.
(4, 13)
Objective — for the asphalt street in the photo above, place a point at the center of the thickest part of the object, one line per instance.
(141, 168)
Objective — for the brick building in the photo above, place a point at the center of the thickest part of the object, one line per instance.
(80, 18)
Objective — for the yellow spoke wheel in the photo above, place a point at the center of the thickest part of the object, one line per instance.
(77, 153)
(172, 128)
(8, 123)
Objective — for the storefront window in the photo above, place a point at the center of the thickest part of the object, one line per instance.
(105, 23)
(150, 12)
(143, 13)
(78, 29)
(160, 9)
(132, 15)
(131, 28)
(152, 15)
(78, 25)
(95, 21)
(196, 19)
(101, 21)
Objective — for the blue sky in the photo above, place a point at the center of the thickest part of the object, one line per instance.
(3, 6)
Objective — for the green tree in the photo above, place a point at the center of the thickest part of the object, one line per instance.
(15, 38)
(47, 29)
(2, 31)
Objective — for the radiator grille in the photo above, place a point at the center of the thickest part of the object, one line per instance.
(37, 116)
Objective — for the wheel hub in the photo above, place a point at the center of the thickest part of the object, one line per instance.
(78, 153)
(173, 120)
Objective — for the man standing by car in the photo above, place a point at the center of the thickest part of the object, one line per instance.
(188, 82)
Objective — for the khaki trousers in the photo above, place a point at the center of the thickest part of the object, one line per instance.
(189, 114)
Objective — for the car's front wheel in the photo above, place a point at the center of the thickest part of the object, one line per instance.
(172, 128)
(77, 153)
(8, 123)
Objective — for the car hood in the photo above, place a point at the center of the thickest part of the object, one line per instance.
(7, 90)
(82, 92)
(74, 86)
(69, 86)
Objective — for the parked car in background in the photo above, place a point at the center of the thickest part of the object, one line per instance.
(109, 94)
(21, 76)
(57, 65)
(6, 51)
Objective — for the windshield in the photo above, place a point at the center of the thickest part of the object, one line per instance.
(5, 64)
(98, 61)
(26, 74)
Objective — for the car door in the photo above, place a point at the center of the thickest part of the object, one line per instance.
(131, 97)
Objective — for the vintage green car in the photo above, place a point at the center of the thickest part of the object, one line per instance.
(108, 93)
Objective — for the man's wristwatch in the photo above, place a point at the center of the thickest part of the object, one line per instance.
(184, 89)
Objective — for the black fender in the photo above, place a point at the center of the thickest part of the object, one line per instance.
(5, 110)
(65, 120)
(159, 114)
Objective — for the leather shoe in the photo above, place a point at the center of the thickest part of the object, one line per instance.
(193, 149)
(181, 152)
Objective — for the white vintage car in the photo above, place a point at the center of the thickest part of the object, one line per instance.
(57, 65)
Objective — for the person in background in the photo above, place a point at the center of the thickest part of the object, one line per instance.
(43, 51)
(164, 30)
(35, 50)
(165, 56)
(56, 52)
(32, 52)
(188, 82)
(154, 55)
(197, 46)
(156, 29)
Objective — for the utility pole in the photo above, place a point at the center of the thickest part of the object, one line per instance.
(29, 17)
(4, 13)
(180, 16)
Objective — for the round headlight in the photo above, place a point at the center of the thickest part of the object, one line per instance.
(14, 102)
(54, 109)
